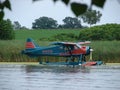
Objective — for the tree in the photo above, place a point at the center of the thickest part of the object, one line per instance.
(17, 25)
(70, 22)
(44, 23)
(24, 28)
(91, 16)
(6, 30)
(77, 7)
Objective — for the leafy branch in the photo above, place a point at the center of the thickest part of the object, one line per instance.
(76, 7)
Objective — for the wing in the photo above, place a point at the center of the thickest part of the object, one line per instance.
(86, 42)
(67, 44)
(63, 43)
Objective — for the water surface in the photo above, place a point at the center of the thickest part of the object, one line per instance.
(32, 77)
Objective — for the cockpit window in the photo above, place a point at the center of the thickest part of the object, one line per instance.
(78, 45)
(75, 47)
(61, 47)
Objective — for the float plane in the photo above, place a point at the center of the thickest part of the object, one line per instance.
(74, 53)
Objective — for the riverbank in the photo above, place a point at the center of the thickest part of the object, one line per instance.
(37, 63)
(21, 63)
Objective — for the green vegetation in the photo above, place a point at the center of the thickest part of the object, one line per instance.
(91, 16)
(43, 35)
(103, 32)
(77, 7)
(64, 37)
(6, 30)
(10, 51)
(44, 23)
(106, 49)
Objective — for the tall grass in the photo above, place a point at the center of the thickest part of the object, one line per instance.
(107, 51)
(10, 50)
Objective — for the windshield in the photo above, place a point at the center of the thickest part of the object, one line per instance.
(79, 46)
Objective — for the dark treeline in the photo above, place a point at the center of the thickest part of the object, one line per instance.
(50, 23)
(90, 17)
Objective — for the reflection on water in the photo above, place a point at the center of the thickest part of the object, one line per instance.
(32, 77)
(56, 69)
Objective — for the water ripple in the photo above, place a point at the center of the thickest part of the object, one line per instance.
(36, 77)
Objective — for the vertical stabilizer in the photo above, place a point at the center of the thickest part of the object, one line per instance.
(30, 44)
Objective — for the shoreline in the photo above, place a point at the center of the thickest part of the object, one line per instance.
(37, 63)
(20, 63)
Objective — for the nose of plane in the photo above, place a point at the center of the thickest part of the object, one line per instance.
(88, 49)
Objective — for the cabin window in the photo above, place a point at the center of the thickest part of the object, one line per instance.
(68, 48)
(75, 47)
(61, 47)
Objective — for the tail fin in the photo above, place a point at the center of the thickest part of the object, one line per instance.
(30, 44)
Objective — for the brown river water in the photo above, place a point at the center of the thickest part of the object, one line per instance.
(36, 77)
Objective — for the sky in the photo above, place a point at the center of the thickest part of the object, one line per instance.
(26, 11)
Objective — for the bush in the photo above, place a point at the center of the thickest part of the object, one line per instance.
(65, 37)
(103, 32)
(6, 30)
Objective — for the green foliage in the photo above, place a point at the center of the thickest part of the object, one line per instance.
(107, 51)
(1, 15)
(4, 4)
(49, 23)
(44, 23)
(77, 7)
(99, 3)
(64, 37)
(66, 1)
(103, 32)
(6, 30)
(43, 35)
(91, 16)
(10, 51)
(80, 8)
(70, 22)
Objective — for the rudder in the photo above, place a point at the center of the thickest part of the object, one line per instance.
(30, 44)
